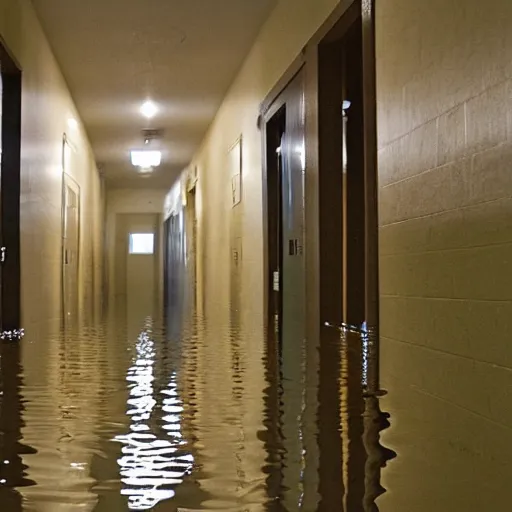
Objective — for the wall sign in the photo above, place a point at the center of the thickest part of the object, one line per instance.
(235, 172)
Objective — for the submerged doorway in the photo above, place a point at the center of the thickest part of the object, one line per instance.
(284, 139)
(10, 140)
(175, 272)
(347, 205)
(338, 375)
(348, 264)
(285, 170)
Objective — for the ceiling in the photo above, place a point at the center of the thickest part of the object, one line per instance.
(181, 54)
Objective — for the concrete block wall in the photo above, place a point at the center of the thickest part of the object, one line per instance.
(444, 93)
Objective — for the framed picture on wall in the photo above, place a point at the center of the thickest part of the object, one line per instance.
(235, 167)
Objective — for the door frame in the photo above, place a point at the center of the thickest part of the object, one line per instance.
(274, 113)
(314, 59)
(269, 109)
(67, 179)
(10, 190)
(322, 355)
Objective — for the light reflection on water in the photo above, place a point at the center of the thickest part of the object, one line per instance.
(151, 464)
(211, 419)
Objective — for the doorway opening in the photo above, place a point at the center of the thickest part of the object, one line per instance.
(275, 130)
(344, 212)
(175, 267)
(191, 247)
(10, 128)
(348, 263)
(285, 171)
(284, 141)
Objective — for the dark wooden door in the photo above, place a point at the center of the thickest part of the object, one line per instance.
(10, 122)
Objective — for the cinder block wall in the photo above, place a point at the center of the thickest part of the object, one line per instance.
(444, 92)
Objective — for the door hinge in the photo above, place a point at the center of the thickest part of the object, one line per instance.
(3, 254)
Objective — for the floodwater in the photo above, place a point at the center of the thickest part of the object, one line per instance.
(184, 416)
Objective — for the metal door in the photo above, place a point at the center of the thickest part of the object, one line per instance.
(285, 145)
(292, 212)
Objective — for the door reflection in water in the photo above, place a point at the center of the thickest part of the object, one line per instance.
(101, 421)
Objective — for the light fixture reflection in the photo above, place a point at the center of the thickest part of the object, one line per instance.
(151, 464)
(148, 109)
(301, 151)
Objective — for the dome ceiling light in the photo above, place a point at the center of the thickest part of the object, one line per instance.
(146, 158)
(149, 109)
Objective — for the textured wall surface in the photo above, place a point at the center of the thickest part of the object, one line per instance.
(46, 109)
(444, 71)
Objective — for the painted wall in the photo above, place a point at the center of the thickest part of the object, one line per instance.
(444, 72)
(46, 108)
(130, 201)
(136, 274)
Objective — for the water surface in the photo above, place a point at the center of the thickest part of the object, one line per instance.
(188, 415)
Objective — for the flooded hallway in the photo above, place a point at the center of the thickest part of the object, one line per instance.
(255, 255)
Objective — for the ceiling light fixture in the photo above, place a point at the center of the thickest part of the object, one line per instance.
(145, 159)
(148, 109)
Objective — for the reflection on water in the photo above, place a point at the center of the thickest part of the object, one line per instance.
(153, 461)
(12, 469)
(212, 418)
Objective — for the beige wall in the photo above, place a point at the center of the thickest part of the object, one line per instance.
(444, 74)
(136, 275)
(131, 201)
(46, 108)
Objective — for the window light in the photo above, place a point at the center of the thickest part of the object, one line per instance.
(141, 243)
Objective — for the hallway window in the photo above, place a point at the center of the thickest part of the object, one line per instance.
(141, 243)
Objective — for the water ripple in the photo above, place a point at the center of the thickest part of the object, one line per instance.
(204, 416)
